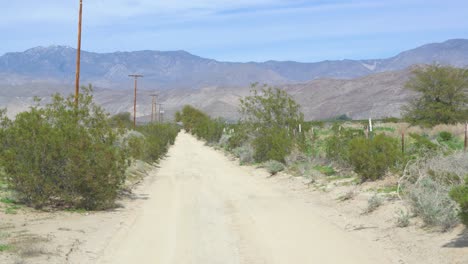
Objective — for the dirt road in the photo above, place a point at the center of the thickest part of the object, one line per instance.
(204, 209)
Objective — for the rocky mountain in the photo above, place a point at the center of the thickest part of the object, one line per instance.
(180, 69)
(377, 95)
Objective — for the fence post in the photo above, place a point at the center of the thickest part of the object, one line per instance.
(403, 142)
(300, 128)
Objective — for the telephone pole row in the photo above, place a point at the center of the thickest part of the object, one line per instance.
(153, 106)
(135, 76)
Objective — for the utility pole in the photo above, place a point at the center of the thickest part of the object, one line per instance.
(135, 76)
(78, 56)
(153, 106)
(161, 113)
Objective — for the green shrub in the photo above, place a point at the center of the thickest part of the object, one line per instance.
(238, 138)
(157, 139)
(460, 195)
(372, 158)
(134, 143)
(421, 144)
(327, 170)
(445, 136)
(273, 166)
(391, 120)
(272, 144)
(121, 120)
(336, 146)
(200, 124)
(64, 154)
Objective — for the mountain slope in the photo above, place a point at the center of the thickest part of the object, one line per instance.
(179, 69)
(376, 95)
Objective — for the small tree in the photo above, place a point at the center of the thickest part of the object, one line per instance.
(443, 96)
(270, 115)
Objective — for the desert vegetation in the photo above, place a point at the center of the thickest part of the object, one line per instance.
(424, 150)
(63, 155)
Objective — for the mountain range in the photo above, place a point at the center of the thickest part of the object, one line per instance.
(180, 69)
(357, 88)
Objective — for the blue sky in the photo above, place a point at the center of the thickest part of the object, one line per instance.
(237, 30)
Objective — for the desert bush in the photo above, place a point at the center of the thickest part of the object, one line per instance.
(134, 143)
(239, 137)
(245, 154)
(336, 146)
(349, 195)
(157, 139)
(272, 144)
(427, 184)
(445, 136)
(296, 156)
(62, 154)
(121, 120)
(270, 117)
(200, 124)
(273, 166)
(403, 218)
(224, 141)
(373, 203)
(460, 195)
(371, 159)
(430, 200)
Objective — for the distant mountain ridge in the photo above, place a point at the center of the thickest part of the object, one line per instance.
(180, 69)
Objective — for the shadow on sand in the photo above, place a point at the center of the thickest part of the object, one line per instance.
(460, 242)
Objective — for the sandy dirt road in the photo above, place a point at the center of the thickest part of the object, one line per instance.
(204, 209)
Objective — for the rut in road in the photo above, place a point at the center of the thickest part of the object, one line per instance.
(205, 209)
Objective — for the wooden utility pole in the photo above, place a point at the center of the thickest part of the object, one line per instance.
(135, 76)
(153, 106)
(161, 113)
(78, 56)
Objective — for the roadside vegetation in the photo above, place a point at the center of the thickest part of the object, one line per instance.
(424, 151)
(68, 156)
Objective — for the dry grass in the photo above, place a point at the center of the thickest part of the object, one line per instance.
(29, 246)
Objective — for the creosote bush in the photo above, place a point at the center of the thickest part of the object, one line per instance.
(200, 124)
(157, 139)
(63, 154)
(372, 158)
(272, 144)
(270, 118)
